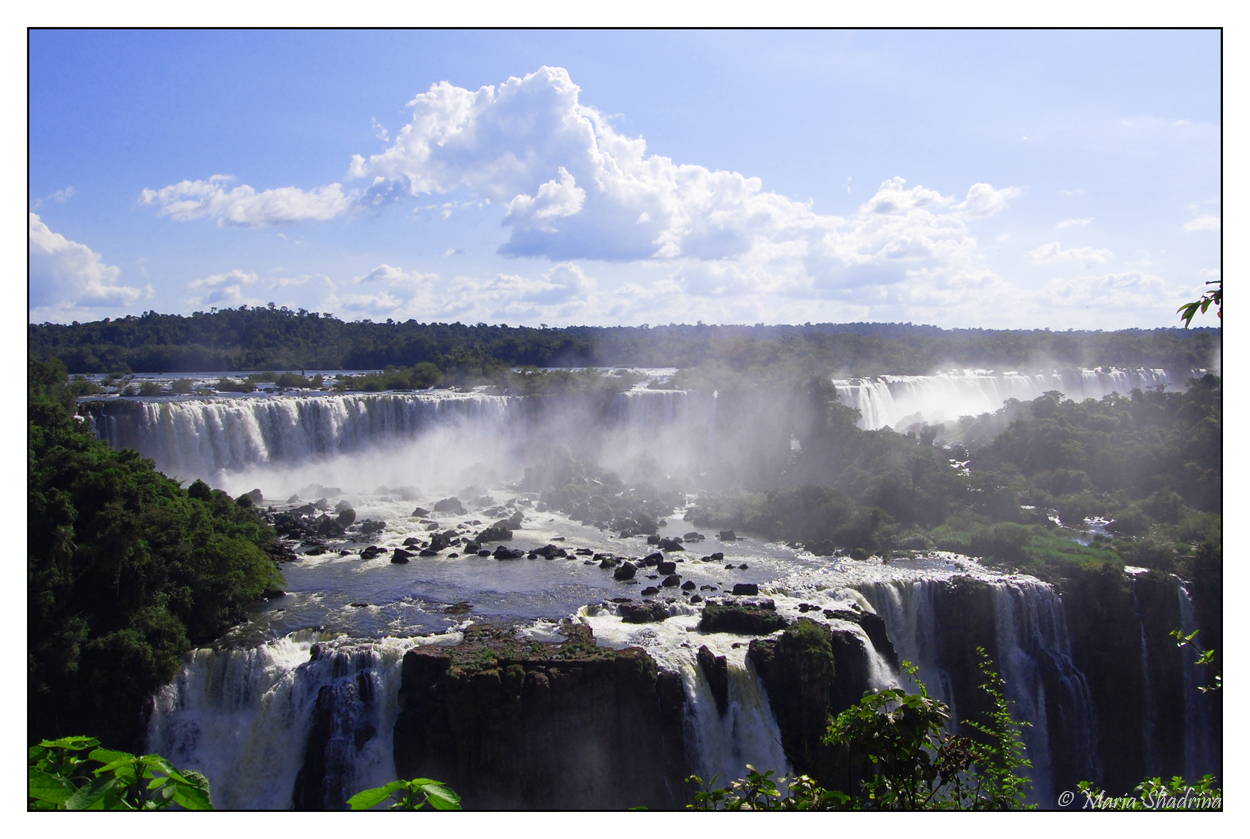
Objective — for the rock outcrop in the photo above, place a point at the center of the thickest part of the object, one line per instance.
(569, 726)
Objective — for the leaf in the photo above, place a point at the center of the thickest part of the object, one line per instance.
(75, 743)
(367, 799)
(93, 796)
(44, 787)
(191, 796)
(441, 797)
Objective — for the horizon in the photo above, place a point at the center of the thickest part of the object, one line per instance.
(613, 178)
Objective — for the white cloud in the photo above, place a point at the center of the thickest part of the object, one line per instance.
(454, 252)
(1203, 223)
(983, 200)
(1210, 272)
(224, 290)
(68, 279)
(1073, 222)
(1053, 252)
(574, 188)
(244, 206)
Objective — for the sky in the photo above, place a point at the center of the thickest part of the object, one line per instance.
(1000, 179)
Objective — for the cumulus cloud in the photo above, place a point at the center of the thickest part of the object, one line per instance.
(245, 207)
(68, 278)
(1054, 252)
(575, 188)
(1073, 222)
(223, 290)
(1203, 223)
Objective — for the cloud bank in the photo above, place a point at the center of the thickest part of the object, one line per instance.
(68, 280)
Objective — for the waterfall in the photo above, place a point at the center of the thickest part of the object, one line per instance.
(892, 400)
(1150, 739)
(1200, 758)
(208, 437)
(935, 625)
(243, 717)
(747, 733)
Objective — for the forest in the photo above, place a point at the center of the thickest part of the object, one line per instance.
(278, 338)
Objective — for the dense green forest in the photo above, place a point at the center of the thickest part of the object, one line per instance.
(126, 571)
(988, 486)
(281, 339)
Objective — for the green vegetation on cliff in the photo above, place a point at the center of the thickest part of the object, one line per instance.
(126, 571)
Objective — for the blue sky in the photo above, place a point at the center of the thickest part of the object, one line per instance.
(997, 179)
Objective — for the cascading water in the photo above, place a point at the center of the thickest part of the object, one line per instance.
(1200, 753)
(1150, 738)
(243, 718)
(208, 437)
(889, 400)
(1029, 632)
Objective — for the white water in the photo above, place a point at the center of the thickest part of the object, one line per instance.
(242, 716)
(1200, 757)
(903, 400)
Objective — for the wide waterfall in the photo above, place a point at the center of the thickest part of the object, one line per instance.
(901, 400)
(936, 624)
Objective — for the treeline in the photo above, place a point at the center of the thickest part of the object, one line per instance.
(126, 572)
(281, 339)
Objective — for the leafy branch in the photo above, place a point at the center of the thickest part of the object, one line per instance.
(60, 778)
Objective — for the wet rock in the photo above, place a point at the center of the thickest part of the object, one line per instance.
(653, 539)
(502, 552)
(742, 567)
(671, 581)
(694, 536)
(671, 545)
(747, 589)
(498, 532)
(688, 585)
(294, 499)
(643, 612)
(652, 560)
(371, 552)
(483, 552)
(698, 598)
(461, 608)
(316, 550)
(344, 552)
(708, 588)
(625, 571)
(666, 567)
(743, 618)
(650, 590)
(427, 552)
(369, 526)
(412, 542)
(344, 504)
(716, 669)
(729, 566)
(255, 497)
(471, 547)
(400, 556)
(450, 505)
(359, 604)
(550, 551)
(346, 518)
(420, 512)
(727, 536)
(608, 562)
(584, 552)
(272, 593)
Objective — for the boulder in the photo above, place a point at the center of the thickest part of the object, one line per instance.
(346, 518)
(653, 560)
(498, 532)
(727, 536)
(744, 618)
(694, 536)
(508, 553)
(369, 526)
(651, 612)
(400, 556)
(450, 505)
(608, 562)
(344, 504)
(272, 593)
(625, 571)
(371, 552)
(671, 545)
(427, 552)
(747, 589)
(420, 513)
(671, 581)
(666, 567)
(650, 590)
(256, 497)
(688, 585)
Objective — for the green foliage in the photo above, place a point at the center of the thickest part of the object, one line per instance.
(408, 795)
(1205, 658)
(1211, 296)
(126, 572)
(911, 761)
(60, 777)
(1157, 794)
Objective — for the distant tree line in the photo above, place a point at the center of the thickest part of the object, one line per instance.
(278, 338)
